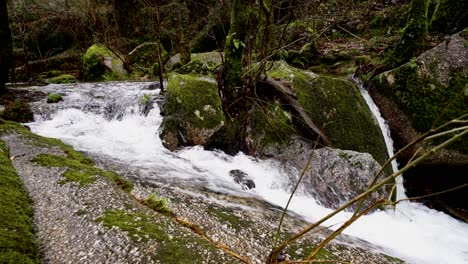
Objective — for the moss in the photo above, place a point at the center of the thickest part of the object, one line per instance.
(54, 98)
(227, 215)
(272, 123)
(360, 60)
(79, 172)
(336, 107)
(197, 67)
(64, 78)
(194, 100)
(413, 41)
(424, 99)
(146, 55)
(302, 250)
(18, 243)
(157, 203)
(93, 62)
(178, 247)
(49, 74)
(18, 111)
(12, 127)
(449, 16)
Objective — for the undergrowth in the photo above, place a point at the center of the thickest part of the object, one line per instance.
(17, 240)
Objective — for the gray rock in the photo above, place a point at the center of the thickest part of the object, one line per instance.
(242, 179)
(334, 176)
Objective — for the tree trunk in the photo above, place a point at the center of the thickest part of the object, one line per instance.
(413, 41)
(5, 45)
(450, 16)
(183, 46)
(231, 84)
(266, 6)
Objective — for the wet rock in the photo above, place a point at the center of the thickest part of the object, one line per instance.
(192, 111)
(152, 86)
(334, 176)
(242, 179)
(424, 93)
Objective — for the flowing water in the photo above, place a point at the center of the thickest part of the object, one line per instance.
(400, 188)
(106, 120)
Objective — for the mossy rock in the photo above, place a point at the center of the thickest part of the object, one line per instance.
(99, 62)
(192, 109)
(145, 55)
(18, 111)
(201, 63)
(17, 240)
(337, 107)
(431, 89)
(271, 123)
(54, 98)
(64, 78)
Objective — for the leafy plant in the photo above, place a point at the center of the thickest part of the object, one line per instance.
(157, 203)
(145, 99)
(54, 98)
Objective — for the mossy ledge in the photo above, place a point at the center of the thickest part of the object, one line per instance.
(140, 227)
(18, 243)
(80, 168)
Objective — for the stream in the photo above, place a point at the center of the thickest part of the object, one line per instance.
(106, 121)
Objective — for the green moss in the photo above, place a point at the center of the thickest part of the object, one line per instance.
(18, 111)
(424, 99)
(80, 172)
(302, 250)
(178, 247)
(157, 203)
(12, 127)
(449, 16)
(272, 123)
(18, 243)
(64, 78)
(194, 100)
(337, 107)
(413, 41)
(54, 98)
(93, 62)
(226, 215)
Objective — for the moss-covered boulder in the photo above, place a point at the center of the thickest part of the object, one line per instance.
(424, 93)
(192, 111)
(201, 63)
(101, 64)
(337, 108)
(63, 78)
(144, 58)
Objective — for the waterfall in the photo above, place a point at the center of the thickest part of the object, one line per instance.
(84, 120)
(400, 188)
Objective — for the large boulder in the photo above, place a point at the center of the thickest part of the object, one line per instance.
(200, 63)
(336, 176)
(144, 58)
(426, 92)
(100, 64)
(337, 108)
(192, 111)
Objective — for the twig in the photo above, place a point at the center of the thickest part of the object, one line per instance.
(278, 249)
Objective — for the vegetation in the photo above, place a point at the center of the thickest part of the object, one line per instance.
(54, 98)
(17, 240)
(64, 78)
(141, 228)
(5, 45)
(157, 203)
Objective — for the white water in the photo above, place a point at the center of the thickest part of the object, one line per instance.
(400, 188)
(412, 232)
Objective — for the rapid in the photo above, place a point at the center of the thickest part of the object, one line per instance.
(107, 120)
